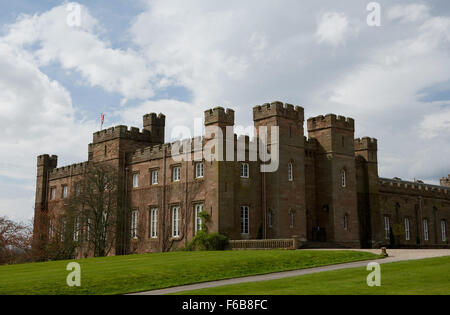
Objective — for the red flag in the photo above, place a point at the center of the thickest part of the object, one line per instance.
(102, 117)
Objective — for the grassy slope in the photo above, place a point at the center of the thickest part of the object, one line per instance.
(125, 274)
(428, 276)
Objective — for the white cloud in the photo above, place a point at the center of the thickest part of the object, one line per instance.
(409, 13)
(121, 71)
(436, 125)
(38, 118)
(333, 28)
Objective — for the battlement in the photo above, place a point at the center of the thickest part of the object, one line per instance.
(445, 181)
(122, 132)
(414, 188)
(154, 119)
(279, 109)
(331, 121)
(366, 143)
(67, 171)
(311, 143)
(219, 115)
(47, 160)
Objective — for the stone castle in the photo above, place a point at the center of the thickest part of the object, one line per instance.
(326, 190)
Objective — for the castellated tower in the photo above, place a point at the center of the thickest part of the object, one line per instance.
(445, 181)
(45, 164)
(336, 209)
(366, 152)
(155, 124)
(283, 195)
(221, 182)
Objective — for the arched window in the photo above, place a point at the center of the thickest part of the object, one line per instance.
(290, 172)
(343, 178)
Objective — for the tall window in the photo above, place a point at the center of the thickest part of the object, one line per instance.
(291, 219)
(270, 218)
(50, 229)
(176, 171)
(154, 223)
(198, 218)
(343, 178)
(443, 231)
(175, 221)
(407, 231)
(88, 229)
(134, 224)
(245, 170)
(198, 170)
(63, 229)
(77, 189)
(65, 191)
(245, 220)
(290, 172)
(345, 222)
(76, 231)
(135, 180)
(425, 229)
(155, 177)
(53, 193)
(386, 227)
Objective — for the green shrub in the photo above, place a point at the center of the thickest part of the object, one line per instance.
(206, 241)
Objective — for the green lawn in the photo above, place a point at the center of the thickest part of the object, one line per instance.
(126, 274)
(428, 276)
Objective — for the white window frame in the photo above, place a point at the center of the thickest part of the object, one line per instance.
(176, 173)
(65, 191)
(155, 177)
(343, 178)
(135, 180)
(154, 223)
(88, 229)
(407, 230)
(134, 224)
(425, 230)
(387, 231)
(76, 231)
(176, 221)
(290, 172)
(245, 220)
(245, 170)
(198, 208)
(52, 193)
(291, 219)
(199, 170)
(63, 230)
(77, 189)
(443, 230)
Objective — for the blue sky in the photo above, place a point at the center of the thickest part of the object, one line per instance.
(179, 57)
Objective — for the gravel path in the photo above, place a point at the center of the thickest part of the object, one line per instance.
(394, 255)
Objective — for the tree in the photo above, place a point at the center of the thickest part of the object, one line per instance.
(15, 241)
(97, 212)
